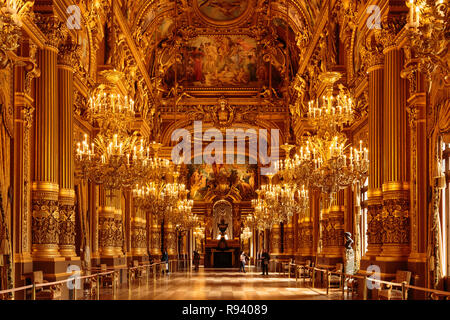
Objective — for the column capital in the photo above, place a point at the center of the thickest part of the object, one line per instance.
(68, 54)
(52, 27)
(372, 54)
(387, 35)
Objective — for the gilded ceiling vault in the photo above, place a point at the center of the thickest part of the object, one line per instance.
(352, 95)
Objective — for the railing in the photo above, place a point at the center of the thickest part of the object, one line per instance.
(305, 271)
(133, 273)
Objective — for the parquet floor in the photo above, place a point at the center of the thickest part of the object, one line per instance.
(215, 284)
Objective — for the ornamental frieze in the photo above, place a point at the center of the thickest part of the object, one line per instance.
(67, 225)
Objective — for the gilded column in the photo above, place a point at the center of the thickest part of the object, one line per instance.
(106, 225)
(45, 188)
(66, 62)
(155, 232)
(138, 234)
(418, 157)
(119, 236)
(275, 240)
(395, 188)
(334, 228)
(373, 55)
(289, 237)
(170, 239)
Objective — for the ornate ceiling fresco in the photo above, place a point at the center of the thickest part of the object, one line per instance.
(247, 49)
(262, 56)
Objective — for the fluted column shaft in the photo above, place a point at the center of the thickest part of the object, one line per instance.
(375, 197)
(45, 216)
(395, 233)
(66, 159)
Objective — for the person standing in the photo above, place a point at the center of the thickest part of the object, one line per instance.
(265, 262)
(196, 260)
(243, 258)
(165, 258)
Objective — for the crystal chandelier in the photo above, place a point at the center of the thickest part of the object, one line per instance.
(199, 232)
(263, 219)
(119, 161)
(335, 164)
(246, 233)
(111, 111)
(327, 161)
(331, 112)
(428, 34)
(117, 158)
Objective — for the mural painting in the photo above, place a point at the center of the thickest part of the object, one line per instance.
(238, 180)
(222, 10)
(221, 61)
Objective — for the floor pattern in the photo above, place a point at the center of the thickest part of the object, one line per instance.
(214, 284)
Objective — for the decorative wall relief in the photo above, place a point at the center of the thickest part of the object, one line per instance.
(396, 224)
(67, 225)
(107, 231)
(45, 222)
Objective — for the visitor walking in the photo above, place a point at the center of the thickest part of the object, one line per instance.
(243, 260)
(165, 258)
(265, 262)
(196, 260)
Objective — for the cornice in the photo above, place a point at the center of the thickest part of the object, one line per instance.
(33, 32)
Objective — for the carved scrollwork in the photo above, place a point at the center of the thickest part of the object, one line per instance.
(45, 222)
(138, 237)
(67, 225)
(396, 222)
(107, 231)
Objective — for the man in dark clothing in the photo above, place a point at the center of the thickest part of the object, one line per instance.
(265, 262)
(196, 260)
(165, 258)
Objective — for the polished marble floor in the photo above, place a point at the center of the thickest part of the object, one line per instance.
(223, 284)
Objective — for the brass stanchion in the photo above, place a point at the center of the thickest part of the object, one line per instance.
(365, 288)
(98, 287)
(114, 285)
(129, 279)
(33, 292)
(74, 290)
(328, 281)
(403, 290)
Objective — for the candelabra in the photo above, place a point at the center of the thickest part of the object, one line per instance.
(428, 35)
